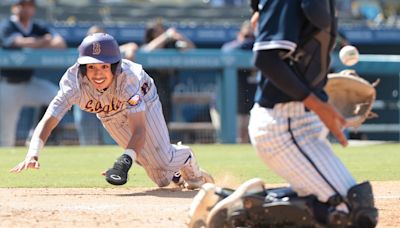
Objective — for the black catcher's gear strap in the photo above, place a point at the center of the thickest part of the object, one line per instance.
(254, 5)
(312, 57)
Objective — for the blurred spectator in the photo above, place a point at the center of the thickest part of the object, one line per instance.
(369, 10)
(17, 86)
(158, 37)
(244, 39)
(247, 82)
(222, 3)
(343, 7)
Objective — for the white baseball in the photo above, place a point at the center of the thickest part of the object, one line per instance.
(349, 55)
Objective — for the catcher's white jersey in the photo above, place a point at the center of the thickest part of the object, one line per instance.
(293, 143)
(131, 91)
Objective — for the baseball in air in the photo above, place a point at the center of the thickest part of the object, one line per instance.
(349, 55)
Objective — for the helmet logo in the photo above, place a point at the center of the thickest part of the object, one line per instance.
(96, 48)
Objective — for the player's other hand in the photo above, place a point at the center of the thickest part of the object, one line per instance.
(28, 163)
(254, 20)
(173, 34)
(332, 119)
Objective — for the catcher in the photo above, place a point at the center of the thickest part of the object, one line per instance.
(125, 99)
(251, 205)
(288, 128)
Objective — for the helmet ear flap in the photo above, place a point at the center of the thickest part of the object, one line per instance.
(115, 68)
(82, 69)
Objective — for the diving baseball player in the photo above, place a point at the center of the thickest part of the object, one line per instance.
(125, 99)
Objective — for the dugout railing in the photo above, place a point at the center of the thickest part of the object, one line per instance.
(226, 82)
(387, 68)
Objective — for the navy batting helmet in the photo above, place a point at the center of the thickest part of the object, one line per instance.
(99, 48)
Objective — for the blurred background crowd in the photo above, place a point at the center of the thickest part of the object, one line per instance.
(143, 26)
(371, 12)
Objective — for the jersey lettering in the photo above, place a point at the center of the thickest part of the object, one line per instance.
(97, 107)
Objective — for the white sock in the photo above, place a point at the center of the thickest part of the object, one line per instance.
(131, 153)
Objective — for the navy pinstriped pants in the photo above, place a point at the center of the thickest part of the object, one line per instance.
(292, 142)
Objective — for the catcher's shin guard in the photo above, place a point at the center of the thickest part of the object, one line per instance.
(118, 174)
(281, 213)
(253, 206)
(363, 212)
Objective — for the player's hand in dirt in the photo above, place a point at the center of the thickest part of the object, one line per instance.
(28, 163)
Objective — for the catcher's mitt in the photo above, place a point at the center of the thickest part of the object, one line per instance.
(352, 96)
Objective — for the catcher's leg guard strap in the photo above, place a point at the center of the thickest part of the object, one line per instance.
(280, 192)
(283, 213)
(363, 212)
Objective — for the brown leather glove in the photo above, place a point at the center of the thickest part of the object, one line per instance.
(352, 96)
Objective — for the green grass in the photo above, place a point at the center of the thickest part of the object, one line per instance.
(81, 166)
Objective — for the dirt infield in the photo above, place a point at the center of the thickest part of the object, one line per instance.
(135, 207)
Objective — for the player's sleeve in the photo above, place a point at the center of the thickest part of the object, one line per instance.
(7, 34)
(67, 95)
(44, 28)
(317, 12)
(279, 73)
(131, 94)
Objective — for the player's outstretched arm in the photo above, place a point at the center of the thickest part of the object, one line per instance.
(118, 174)
(332, 119)
(27, 163)
(137, 125)
(39, 138)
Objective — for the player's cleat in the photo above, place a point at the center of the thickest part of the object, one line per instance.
(219, 213)
(202, 203)
(208, 196)
(118, 174)
(177, 179)
(197, 182)
(193, 176)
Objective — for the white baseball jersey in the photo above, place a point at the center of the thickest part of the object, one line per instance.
(131, 91)
(293, 143)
